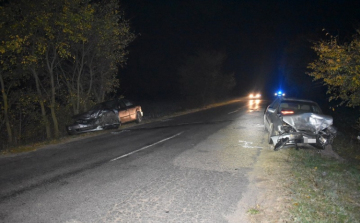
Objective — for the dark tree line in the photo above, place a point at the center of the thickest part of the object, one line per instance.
(202, 78)
(57, 58)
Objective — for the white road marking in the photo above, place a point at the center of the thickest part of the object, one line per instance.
(246, 144)
(145, 147)
(233, 111)
(165, 120)
(121, 131)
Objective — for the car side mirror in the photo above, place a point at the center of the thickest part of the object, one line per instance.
(272, 110)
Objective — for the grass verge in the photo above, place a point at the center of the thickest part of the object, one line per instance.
(323, 189)
(37, 145)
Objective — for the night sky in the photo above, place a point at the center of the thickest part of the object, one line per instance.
(267, 43)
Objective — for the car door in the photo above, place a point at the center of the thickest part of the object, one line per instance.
(123, 112)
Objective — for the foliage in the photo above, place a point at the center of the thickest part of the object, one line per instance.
(202, 78)
(338, 66)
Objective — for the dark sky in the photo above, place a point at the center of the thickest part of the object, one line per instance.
(267, 42)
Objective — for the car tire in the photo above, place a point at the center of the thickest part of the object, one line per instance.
(109, 120)
(138, 117)
(270, 133)
(117, 123)
(116, 126)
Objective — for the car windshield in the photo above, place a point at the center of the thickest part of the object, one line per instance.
(111, 104)
(300, 107)
(127, 102)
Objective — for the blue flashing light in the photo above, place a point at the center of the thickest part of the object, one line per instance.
(279, 93)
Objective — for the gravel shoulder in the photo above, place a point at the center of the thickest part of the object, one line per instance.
(269, 190)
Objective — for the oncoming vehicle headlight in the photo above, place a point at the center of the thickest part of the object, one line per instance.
(255, 95)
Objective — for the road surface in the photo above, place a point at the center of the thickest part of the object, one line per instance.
(190, 168)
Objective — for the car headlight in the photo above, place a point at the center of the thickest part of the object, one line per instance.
(286, 128)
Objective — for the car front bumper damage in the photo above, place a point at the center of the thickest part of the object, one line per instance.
(286, 139)
(306, 128)
(86, 126)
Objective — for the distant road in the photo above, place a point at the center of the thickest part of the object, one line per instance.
(190, 168)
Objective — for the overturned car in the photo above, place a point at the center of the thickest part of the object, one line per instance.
(295, 121)
(105, 115)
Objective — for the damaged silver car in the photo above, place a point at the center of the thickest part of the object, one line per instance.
(295, 121)
(106, 115)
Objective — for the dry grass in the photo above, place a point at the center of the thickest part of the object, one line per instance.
(323, 189)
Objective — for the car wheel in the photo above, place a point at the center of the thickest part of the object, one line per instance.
(116, 122)
(109, 120)
(116, 126)
(138, 117)
(270, 133)
(119, 122)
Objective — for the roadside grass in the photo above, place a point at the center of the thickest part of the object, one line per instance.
(20, 149)
(323, 189)
(36, 145)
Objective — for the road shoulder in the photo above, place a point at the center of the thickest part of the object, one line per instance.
(267, 198)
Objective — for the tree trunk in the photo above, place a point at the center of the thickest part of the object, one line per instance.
(81, 66)
(90, 85)
(42, 105)
(50, 66)
(6, 109)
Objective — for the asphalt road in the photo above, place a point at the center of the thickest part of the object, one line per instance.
(190, 168)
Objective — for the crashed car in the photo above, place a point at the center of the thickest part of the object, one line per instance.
(106, 115)
(295, 121)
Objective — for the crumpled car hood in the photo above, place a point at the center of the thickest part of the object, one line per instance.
(309, 122)
(86, 115)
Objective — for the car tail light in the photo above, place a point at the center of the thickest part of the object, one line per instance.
(287, 112)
